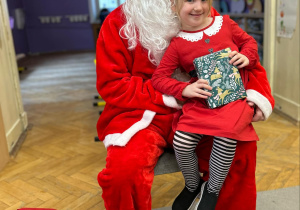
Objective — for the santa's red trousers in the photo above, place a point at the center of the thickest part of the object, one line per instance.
(126, 181)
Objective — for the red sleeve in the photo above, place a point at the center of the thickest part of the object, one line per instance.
(246, 44)
(115, 83)
(259, 91)
(162, 80)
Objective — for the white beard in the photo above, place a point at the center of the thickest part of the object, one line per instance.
(155, 24)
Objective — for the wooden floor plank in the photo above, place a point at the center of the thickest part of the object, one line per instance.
(3, 205)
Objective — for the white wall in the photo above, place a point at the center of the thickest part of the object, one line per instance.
(286, 74)
(14, 117)
(282, 61)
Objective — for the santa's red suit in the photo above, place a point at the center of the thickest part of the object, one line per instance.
(135, 127)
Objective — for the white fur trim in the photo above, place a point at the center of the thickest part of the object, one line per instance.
(261, 101)
(170, 101)
(212, 30)
(121, 139)
(110, 139)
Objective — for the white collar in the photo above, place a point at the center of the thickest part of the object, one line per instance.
(212, 30)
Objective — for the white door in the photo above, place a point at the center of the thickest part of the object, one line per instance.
(14, 117)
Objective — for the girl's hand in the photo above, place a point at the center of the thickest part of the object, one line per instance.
(195, 90)
(258, 114)
(239, 60)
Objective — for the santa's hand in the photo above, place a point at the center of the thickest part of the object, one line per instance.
(258, 114)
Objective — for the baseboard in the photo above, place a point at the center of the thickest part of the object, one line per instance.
(285, 116)
(16, 130)
(14, 151)
(287, 107)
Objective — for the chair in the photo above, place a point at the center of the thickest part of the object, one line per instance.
(166, 163)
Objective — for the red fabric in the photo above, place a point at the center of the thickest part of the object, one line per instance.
(258, 81)
(118, 77)
(231, 121)
(127, 179)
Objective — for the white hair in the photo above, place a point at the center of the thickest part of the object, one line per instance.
(151, 23)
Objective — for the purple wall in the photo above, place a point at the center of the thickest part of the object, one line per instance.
(19, 36)
(53, 37)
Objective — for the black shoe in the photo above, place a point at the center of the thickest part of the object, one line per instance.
(185, 199)
(208, 201)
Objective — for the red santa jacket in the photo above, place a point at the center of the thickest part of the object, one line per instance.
(124, 82)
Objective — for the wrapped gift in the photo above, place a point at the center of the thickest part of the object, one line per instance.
(224, 78)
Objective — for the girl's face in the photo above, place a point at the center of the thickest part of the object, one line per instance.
(194, 14)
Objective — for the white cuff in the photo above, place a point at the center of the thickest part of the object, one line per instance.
(121, 139)
(261, 101)
(170, 101)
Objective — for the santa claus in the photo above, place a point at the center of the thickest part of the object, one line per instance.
(136, 124)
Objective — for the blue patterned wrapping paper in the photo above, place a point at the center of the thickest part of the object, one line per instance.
(224, 78)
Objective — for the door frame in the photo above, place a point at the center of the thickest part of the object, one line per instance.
(270, 39)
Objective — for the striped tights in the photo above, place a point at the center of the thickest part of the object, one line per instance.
(221, 157)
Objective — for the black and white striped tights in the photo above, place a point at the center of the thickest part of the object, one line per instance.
(221, 157)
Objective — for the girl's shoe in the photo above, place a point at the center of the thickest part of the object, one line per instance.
(208, 201)
(186, 199)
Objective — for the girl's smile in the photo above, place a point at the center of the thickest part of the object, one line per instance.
(194, 14)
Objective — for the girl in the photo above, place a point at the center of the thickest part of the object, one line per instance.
(200, 35)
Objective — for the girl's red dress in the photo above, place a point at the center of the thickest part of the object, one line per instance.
(232, 120)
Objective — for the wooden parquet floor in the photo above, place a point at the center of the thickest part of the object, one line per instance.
(58, 163)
